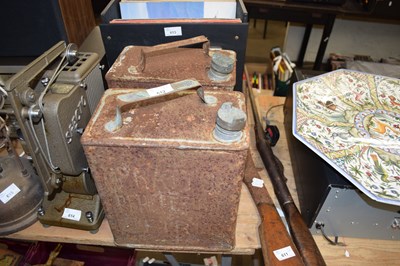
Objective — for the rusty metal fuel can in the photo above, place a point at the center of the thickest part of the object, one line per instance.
(169, 173)
(151, 66)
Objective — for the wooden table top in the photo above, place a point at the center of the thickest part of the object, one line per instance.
(247, 239)
(360, 251)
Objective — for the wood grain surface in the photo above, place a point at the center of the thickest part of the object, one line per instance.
(78, 19)
(359, 251)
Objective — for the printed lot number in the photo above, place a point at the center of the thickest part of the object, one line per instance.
(160, 90)
(284, 253)
(72, 214)
(7, 194)
(173, 31)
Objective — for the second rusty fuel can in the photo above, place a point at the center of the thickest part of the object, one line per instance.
(151, 66)
(170, 174)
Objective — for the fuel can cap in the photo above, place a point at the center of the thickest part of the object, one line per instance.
(229, 124)
(221, 66)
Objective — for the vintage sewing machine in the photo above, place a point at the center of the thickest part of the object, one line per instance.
(45, 107)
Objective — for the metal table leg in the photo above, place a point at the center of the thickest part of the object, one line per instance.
(171, 259)
(304, 44)
(324, 41)
(226, 260)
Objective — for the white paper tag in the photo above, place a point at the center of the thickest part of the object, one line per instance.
(257, 182)
(347, 254)
(9, 193)
(211, 261)
(173, 31)
(284, 253)
(160, 90)
(72, 214)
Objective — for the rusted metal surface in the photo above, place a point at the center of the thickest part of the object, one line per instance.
(170, 47)
(163, 179)
(146, 67)
(125, 101)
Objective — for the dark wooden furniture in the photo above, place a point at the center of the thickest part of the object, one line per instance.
(30, 28)
(228, 36)
(312, 14)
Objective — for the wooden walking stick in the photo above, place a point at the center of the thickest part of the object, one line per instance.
(277, 246)
(300, 233)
